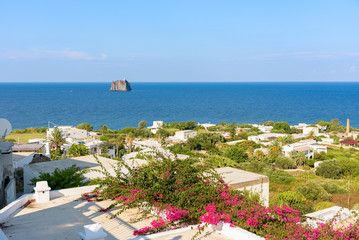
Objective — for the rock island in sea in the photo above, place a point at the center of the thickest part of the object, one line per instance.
(121, 85)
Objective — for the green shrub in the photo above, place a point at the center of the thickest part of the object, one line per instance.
(281, 177)
(314, 191)
(332, 187)
(330, 169)
(235, 153)
(254, 166)
(350, 167)
(323, 205)
(77, 150)
(294, 200)
(285, 163)
(60, 179)
(310, 162)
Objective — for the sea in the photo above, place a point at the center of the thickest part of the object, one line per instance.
(36, 104)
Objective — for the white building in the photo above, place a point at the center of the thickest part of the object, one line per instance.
(307, 130)
(242, 180)
(184, 135)
(308, 147)
(155, 126)
(265, 129)
(206, 125)
(266, 137)
(69, 132)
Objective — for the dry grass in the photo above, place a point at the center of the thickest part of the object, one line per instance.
(24, 137)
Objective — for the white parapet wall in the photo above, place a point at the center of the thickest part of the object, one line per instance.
(227, 230)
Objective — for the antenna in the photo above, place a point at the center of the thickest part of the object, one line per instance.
(5, 129)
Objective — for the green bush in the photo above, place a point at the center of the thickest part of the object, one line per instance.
(323, 205)
(310, 162)
(204, 141)
(294, 200)
(314, 191)
(60, 179)
(330, 169)
(281, 177)
(77, 150)
(285, 163)
(85, 126)
(254, 166)
(332, 187)
(235, 153)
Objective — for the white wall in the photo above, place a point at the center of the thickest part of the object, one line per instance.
(262, 189)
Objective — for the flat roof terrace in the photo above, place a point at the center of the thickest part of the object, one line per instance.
(63, 217)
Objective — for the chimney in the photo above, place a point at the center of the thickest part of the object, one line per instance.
(348, 128)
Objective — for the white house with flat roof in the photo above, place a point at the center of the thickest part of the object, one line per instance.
(308, 147)
(242, 180)
(185, 135)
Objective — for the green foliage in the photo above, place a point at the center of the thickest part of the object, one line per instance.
(295, 200)
(10, 140)
(190, 125)
(214, 161)
(350, 167)
(142, 124)
(332, 187)
(162, 182)
(57, 138)
(330, 169)
(56, 154)
(137, 132)
(310, 162)
(269, 123)
(281, 177)
(77, 150)
(85, 126)
(60, 179)
(248, 144)
(323, 123)
(314, 191)
(163, 133)
(104, 129)
(298, 157)
(30, 130)
(254, 166)
(180, 148)
(284, 163)
(204, 141)
(323, 205)
(281, 126)
(235, 153)
(320, 156)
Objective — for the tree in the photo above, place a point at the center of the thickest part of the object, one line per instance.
(142, 124)
(334, 125)
(57, 138)
(314, 191)
(204, 141)
(298, 157)
(60, 179)
(330, 169)
(77, 150)
(287, 139)
(129, 138)
(104, 128)
(85, 126)
(235, 153)
(323, 123)
(285, 163)
(269, 123)
(281, 126)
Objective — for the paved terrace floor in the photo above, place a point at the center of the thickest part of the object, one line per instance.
(62, 218)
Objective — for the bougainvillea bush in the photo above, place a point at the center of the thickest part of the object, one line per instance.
(184, 192)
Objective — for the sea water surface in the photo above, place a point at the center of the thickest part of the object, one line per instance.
(34, 104)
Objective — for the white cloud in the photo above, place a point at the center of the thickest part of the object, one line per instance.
(324, 55)
(352, 69)
(52, 54)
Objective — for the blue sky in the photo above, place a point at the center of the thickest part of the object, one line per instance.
(172, 41)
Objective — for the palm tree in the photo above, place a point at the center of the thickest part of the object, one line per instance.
(276, 147)
(57, 138)
(129, 138)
